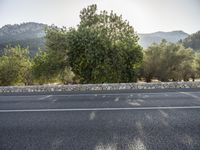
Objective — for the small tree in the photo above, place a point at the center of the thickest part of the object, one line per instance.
(15, 66)
(168, 61)
(8, 71)
(53, 65)
(151, 62)
(56, 45)
(41, 67)
(186, 69)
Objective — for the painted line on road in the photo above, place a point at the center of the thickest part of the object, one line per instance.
(98, 109)
(45, 97)
(190, 94)
(75, 95)
(93, 94)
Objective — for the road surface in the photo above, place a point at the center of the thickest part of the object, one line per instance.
(120, 120)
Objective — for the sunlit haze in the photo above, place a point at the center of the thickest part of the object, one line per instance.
(145, 15)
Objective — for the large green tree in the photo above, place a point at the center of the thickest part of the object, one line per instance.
(103, 48)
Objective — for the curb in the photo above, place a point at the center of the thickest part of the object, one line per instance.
(98, 87)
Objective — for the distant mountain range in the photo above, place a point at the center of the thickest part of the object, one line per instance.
(174, 36)
(32, 35)
(26, 34)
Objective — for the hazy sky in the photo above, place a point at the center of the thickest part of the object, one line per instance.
(145, 15)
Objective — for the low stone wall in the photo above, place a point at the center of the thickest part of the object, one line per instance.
(100, 87)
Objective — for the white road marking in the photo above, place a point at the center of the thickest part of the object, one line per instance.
(166, 94)
(71, 95)
(99, 94)
(54, 100)
(98, 109)
(45, 97)
(190, 94)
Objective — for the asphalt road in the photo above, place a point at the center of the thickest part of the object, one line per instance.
(122, 120)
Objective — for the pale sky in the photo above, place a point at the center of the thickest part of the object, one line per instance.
(145, 16)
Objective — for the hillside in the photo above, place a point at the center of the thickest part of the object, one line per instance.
(192, 41)
(32, 35)
(174, 36)
(26, 34)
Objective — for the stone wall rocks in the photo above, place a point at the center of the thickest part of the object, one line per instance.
(99, 87)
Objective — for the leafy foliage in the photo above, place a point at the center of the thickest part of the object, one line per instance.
(40, 67)
(168, 61)
(192, 41)
(103, 48)
(196, 65)
(15, 66)
(56, 45)
(52, 65)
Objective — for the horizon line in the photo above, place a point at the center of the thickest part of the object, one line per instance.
(166, 31)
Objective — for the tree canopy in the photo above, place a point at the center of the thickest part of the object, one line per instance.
(103, 48)
(168, 61)
(192, 41)
(52, 65)
(15, 66)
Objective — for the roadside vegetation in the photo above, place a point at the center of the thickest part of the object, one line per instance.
(103, 48)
